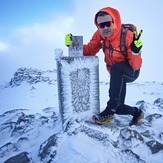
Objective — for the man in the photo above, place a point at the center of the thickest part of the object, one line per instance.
(122, 69)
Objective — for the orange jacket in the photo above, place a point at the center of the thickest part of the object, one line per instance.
(93, 47)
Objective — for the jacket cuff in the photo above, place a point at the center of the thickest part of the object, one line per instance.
(135, 53)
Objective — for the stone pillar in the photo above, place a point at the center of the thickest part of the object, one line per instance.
(78, 88)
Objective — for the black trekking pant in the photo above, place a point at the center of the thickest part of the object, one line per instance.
(120, 74)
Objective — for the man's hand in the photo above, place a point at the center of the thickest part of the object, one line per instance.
(68, 39)
(137, 44)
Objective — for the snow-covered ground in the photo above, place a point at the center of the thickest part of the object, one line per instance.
(31, 128)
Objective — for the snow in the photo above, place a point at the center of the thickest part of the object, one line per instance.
(58, 53)
(30, 121)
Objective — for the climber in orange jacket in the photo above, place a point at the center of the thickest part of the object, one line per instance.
(122, 68)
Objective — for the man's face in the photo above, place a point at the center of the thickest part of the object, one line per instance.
(105, 25)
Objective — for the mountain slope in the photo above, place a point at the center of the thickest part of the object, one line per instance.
(31, 128)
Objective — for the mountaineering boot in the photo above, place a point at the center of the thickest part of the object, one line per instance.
(103, 117)
(137, 117)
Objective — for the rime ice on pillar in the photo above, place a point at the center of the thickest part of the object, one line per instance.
(58, 55)
(78, 88)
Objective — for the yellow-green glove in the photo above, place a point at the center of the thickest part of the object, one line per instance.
(68, 39)
(137, 44)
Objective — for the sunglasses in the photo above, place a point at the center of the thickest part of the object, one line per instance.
(107, 24)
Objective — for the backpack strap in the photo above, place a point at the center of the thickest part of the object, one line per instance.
(123, 48)
(124, 30)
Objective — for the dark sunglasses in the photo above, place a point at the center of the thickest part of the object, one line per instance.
(107, 24)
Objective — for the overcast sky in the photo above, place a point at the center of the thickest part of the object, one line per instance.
(30, 30)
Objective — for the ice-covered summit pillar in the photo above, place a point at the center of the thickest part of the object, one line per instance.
(78, 88)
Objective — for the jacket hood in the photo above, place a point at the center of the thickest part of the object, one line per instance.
(116, 18)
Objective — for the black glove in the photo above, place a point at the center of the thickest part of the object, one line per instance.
(136, 44)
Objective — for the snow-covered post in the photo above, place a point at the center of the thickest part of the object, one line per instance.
(58, 56)
(78, 88)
